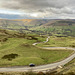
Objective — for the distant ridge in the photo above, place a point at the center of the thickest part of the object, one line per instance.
(25, 20)
(40, 26)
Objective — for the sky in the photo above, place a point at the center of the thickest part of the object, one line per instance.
(37, 9)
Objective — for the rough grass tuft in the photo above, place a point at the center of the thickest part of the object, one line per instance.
(10, 56)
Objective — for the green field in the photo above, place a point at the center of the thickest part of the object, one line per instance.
(16, 49)
(16, 41)
(59, 42)
(28, 53)
(56, 30)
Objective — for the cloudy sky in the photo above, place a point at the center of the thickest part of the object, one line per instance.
(50, 9)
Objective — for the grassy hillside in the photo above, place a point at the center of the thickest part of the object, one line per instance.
(16, 49)
(28, 53)
(59, 42)
(58, 28)
(70, 67)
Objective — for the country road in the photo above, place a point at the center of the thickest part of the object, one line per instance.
(42, 42)
(42, 67)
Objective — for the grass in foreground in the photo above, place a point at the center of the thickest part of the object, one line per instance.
(69, 68)
(35, 73)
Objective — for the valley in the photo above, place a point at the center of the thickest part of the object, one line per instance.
(17, 39)
(40, 26)
(21, 44)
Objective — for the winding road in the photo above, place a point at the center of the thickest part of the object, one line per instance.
(41, 42)
(42, 67)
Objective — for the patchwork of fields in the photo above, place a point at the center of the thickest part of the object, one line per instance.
(40, 26)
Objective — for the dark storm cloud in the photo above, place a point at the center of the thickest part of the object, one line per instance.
(27, 5)
(36, 4)
(42, 6)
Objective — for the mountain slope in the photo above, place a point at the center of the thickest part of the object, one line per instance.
(40, 26)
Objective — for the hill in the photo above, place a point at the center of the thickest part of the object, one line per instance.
(40, 26)
(16, 49)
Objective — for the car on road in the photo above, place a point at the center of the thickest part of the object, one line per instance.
(32, 65)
